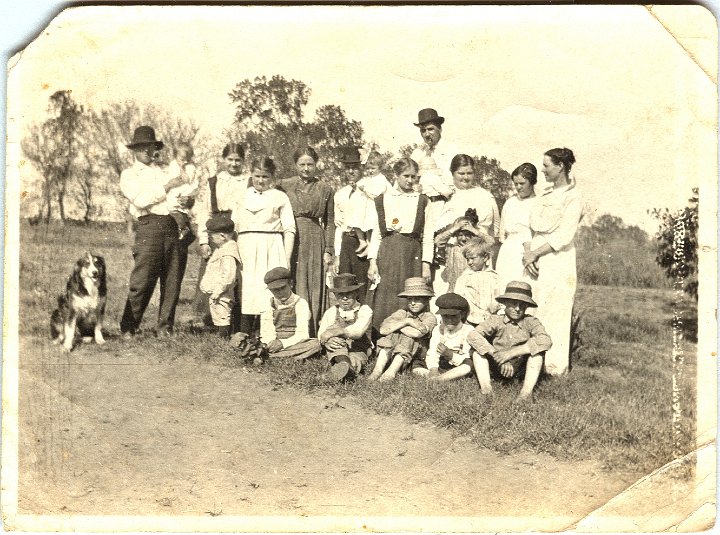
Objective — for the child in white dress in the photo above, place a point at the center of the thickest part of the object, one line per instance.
(183, 165)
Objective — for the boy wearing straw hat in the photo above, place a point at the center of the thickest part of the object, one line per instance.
(344, 330)
(503, 344)
(405, 333)
(285, 326)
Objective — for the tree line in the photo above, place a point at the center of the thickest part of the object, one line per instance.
(80, 152)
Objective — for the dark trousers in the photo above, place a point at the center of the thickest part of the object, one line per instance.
(350, 263)
(158, 255)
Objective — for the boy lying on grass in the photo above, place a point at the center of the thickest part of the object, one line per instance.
(449, 354)
(505, 344)
(344, 330)
(284, 326)
(405, 332)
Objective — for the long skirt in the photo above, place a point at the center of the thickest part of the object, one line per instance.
(508, 265)
(260, 252)
(307, 267)
(399, 258)
(554, 292)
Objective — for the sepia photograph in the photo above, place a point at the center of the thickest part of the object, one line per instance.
(378, 268)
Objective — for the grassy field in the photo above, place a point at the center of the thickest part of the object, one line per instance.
(615, 405)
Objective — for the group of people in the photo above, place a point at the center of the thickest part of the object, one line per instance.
(388, 249)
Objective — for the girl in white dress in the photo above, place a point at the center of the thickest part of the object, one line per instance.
(265, 225)
(515, 226)
(554, 220)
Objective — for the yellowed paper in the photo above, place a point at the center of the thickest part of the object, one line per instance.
(107, 442)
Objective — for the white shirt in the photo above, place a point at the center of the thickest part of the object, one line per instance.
(456, 342)
(144, 186)
(442, 153)
(478, 198)
(302, 321)
(355, 330)
(228, 189)
(189, 189)
(400, 211)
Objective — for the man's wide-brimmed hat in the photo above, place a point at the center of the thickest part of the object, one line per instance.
(518, 291)
(277, 277)
(144, 136)
(416, 287)
(350, 155)
(345, 282)
(429, 115)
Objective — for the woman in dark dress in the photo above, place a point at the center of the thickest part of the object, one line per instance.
(312, 204)
(401, 245)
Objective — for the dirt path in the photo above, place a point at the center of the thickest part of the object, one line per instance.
(111, 433)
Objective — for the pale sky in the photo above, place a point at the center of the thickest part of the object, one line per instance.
(609, 82)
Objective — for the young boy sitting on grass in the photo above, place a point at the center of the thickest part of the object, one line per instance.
(344, 330)
(504, 344)
(285, 325)
(449, 349)
(478, 283)
(405, 332)
(219, 278)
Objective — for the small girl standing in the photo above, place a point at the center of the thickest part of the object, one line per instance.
(266, 237)
(219, 278)
(449, 349)
(401, 245)
(478, 283)
(405, 333)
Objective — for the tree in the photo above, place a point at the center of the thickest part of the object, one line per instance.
(677, 246)
(112, 127)
(494, 178)
(53, 148)
(269, 118)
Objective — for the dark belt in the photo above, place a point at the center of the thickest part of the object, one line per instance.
(152, 217)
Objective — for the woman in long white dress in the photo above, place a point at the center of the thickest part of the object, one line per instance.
(265, 225)
(515, 226)
(554, 220)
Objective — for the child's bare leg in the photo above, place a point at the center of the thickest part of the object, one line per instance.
(360, 235)
(393, 369)
(380, 363)
(455, 373)
(482, 371)
(532, 372)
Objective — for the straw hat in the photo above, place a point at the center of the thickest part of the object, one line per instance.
(416, 287)
(519, 291)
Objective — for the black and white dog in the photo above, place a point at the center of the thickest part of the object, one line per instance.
(82, 307)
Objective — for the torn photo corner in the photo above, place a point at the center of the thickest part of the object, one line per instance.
(177, 433)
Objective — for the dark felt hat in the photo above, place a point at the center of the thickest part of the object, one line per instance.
(144, 136)
(519, 291)
(220, 223)
(345, 282)
(350, 155)
(277, 277)
(452, 304)
(416, 287)
(429, 115)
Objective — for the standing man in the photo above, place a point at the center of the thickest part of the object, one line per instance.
(430, 125)
(158, 251)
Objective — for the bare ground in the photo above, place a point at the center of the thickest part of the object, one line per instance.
(118, 432)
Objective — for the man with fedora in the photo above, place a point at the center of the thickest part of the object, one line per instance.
(430, 125)
(504, 344)
(351, 232)
(158, 252)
